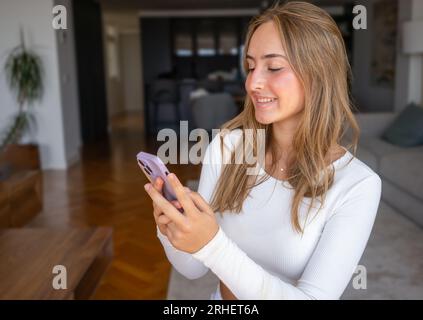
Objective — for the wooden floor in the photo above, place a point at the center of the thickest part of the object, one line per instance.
(106, 189)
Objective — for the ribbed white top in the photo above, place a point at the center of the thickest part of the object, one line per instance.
(257, 253)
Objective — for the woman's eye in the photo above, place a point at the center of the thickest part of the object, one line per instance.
(270, 69)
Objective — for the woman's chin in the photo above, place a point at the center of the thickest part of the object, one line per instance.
(263, 120)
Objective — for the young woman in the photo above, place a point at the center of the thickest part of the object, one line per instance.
(298, 228)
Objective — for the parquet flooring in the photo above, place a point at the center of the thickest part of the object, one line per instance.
(106, 189)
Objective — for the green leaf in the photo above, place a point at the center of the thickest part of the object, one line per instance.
(24, 75)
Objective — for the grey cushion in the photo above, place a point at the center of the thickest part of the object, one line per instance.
(407, 128)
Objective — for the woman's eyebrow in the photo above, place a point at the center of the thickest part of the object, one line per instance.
(267, 56)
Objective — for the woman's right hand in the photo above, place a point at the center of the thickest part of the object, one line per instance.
(161, 219)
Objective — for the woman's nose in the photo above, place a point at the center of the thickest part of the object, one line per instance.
(257, 82)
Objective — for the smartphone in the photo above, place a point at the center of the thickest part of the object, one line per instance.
(153, 167)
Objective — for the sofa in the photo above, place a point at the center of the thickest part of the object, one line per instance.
(400, 168)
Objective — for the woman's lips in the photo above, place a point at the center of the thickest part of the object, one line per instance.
(266, 104)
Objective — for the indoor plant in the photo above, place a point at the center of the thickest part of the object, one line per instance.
(23, 72)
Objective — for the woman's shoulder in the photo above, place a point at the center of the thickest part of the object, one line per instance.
(356, 190)
(352, 172)
(230, 139)
(213, 154)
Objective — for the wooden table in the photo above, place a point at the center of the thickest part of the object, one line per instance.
(28, 256)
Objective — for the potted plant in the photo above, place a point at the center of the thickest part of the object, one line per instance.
(23, 70)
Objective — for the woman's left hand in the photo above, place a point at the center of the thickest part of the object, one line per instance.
(193, 229)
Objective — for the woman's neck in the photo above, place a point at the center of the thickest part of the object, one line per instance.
(283, 134)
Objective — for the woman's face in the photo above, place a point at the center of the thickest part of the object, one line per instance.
(272, 85)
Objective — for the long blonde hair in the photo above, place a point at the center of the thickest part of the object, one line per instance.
(316, 52)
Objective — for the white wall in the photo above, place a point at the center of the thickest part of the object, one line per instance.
(113, 74)
(52, 135)
(131, 70)
(124, 93)
(69, 87)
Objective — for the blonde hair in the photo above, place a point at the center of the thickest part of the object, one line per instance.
(316, 52)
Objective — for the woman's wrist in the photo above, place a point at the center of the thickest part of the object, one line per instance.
(212, 247)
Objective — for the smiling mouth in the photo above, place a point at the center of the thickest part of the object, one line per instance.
(264, 102)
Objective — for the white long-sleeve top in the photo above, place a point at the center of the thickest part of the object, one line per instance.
(257, 253)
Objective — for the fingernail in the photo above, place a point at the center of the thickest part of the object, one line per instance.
(172, 176)
(147, 186)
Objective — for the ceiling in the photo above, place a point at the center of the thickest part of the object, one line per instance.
(196, 4)
(180, 4)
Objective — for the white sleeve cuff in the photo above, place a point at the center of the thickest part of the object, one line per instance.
(212, 249)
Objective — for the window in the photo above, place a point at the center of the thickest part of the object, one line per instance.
(183, 45)
(201, 46)
(205, 38)
(183, 39)
(112, 53)
(228, 42)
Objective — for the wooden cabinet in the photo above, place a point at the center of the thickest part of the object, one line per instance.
(20, 186)
(4, 207)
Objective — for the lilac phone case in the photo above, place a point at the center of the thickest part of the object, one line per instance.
(153, 167)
